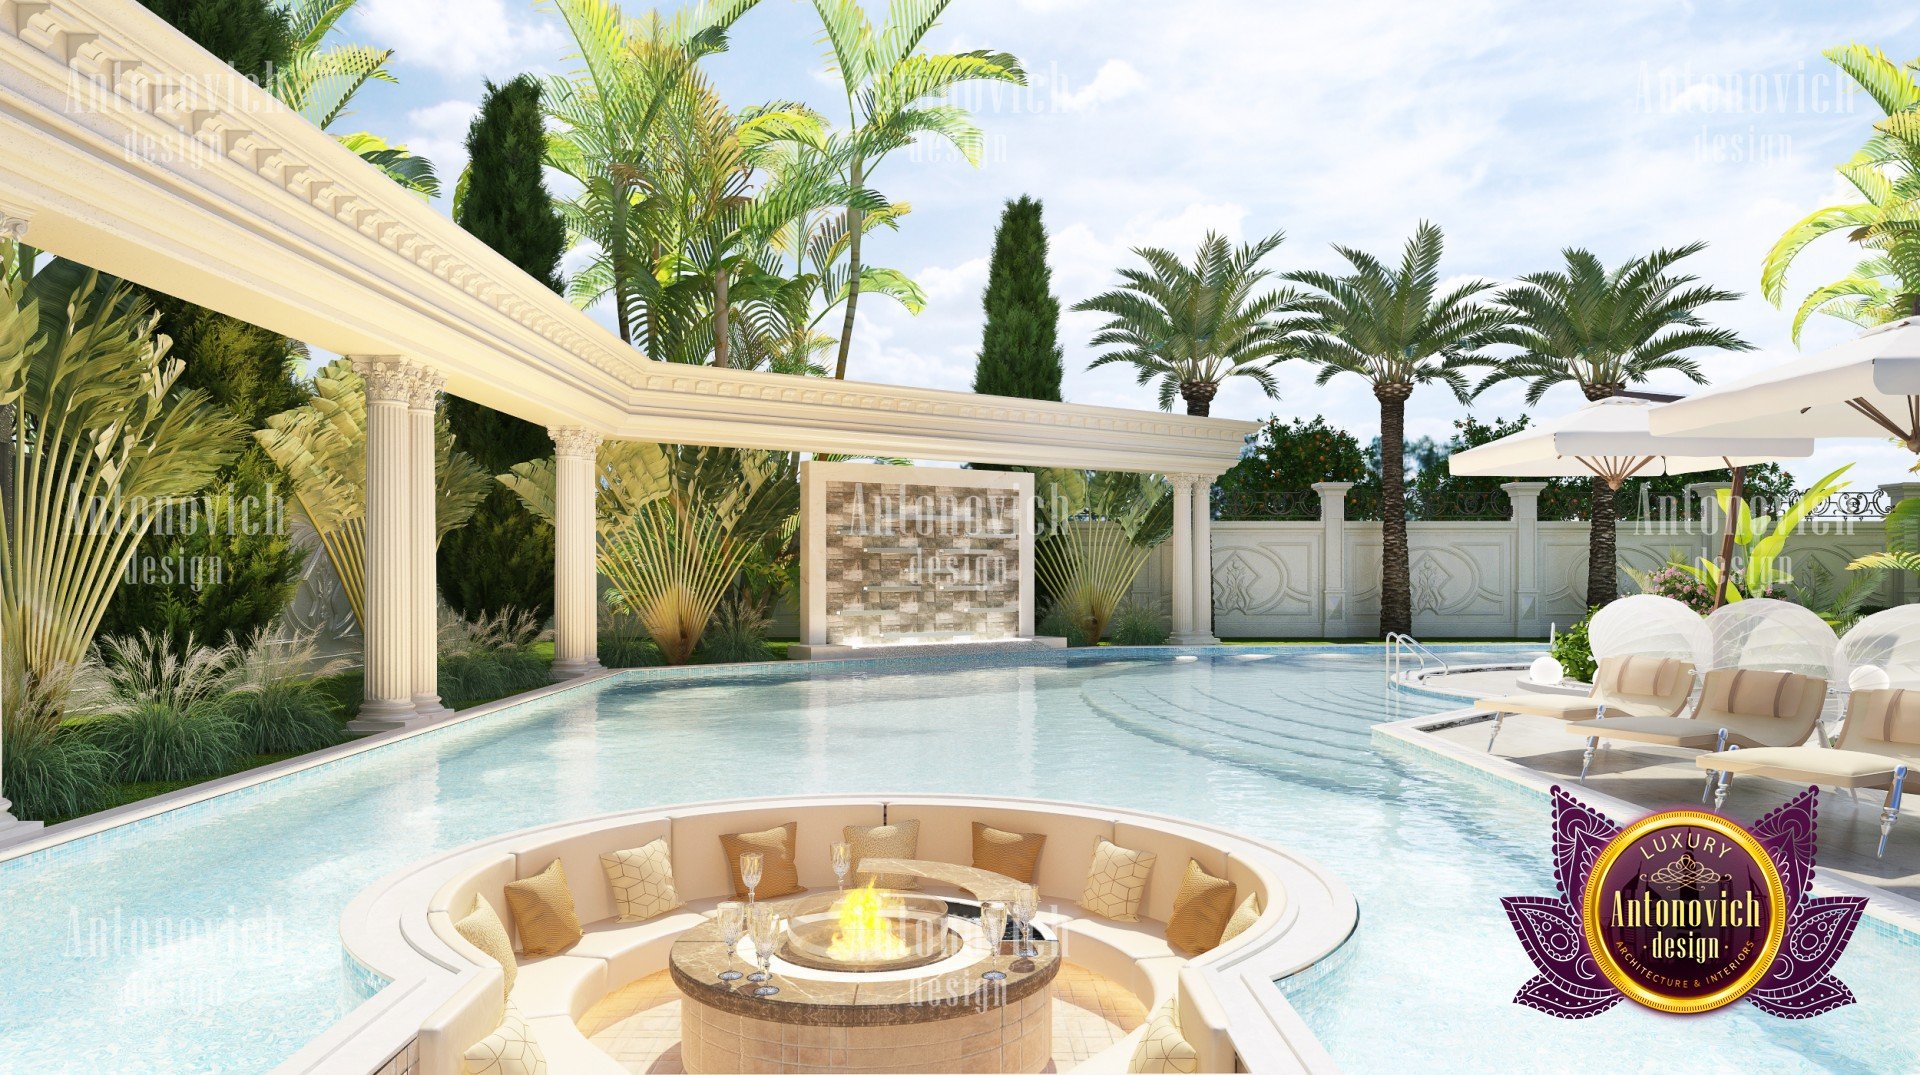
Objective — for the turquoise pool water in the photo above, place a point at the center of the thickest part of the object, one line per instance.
(204, 940)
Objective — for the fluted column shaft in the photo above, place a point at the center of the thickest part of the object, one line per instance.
(1180, 557)
(576, 576)
(387, 626)
(423, 542)
(1203, 559)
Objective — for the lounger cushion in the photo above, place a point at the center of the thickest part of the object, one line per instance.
(1557, 706)
(1643, 675)
(1751, 692)
(1163, 1048)
(1666, 731)
(1117, 881)
(1883, 716)
(1806, 765)
(1010, 854)
(1244, 916)
(509, 1050)
(1201, 910)
(642, 881)
(897, 841)
(543, 912)
(483, 929)
(778, 875)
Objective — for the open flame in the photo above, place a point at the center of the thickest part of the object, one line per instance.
(866, 932)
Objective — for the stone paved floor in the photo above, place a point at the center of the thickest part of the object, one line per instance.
(639, 1025)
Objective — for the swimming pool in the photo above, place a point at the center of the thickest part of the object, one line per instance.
(124, 951)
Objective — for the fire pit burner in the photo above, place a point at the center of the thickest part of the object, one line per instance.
(868, 929)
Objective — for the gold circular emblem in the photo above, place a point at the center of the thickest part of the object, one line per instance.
(1673, 911)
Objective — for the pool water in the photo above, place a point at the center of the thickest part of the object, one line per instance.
(205, 939)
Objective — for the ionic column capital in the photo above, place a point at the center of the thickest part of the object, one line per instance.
(575, 443)
(389, 378)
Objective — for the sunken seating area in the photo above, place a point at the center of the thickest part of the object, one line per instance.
(1194, 921)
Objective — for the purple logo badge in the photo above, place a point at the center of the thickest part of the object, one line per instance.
(1684, 911)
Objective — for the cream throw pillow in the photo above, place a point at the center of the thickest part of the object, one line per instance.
(642, 880)
(1117, 881)
(900, 840)
(1164, 1048)
(542, 907)
(483, 929)
(509, 1050)
(1244, 916)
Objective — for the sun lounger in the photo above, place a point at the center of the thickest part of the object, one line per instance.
(1641, 686)
(1879, 747)
(1738, 706)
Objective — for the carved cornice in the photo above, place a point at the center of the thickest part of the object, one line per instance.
(575, 443)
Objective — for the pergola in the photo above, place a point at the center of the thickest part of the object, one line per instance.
(125, 146)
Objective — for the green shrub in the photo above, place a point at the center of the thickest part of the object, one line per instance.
(1134, 624)
(626, 644)
(1574, 652)
(52, 772)
(285, 718)
(482, 660)
(1061, 623)
(737, 632)
(157, 741)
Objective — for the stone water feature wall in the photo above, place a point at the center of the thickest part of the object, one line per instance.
(905, 555)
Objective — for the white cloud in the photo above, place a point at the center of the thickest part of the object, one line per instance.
(1115, 79)
(438, 132)
(475, 37)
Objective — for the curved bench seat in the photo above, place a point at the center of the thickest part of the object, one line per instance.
(447, 996)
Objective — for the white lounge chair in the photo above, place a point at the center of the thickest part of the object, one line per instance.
(1640, 686)
(1738, 706)
(1879, 747)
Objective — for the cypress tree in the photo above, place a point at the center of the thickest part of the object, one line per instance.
(254, 37)
(503, 558)
(1020, 348)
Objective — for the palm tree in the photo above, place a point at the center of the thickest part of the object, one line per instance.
(319, 82)
(1886, 171)
(1604, 331)
(1193, 326)
(887, 85)
(1395, 328)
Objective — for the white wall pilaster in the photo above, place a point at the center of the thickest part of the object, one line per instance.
(1203, 559)
(576, 577)
(388, 628)
(423, 542)
(1180, 557)
(1528, 620)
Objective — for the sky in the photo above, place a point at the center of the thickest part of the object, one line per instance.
(1521, 128)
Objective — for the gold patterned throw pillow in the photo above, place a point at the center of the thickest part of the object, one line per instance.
(778, 877)
(1117, 881)
(1201, 910)
(897, 841)
(1244, 916)
(642, 880)
(1009, 854)
(1164, 1048)
(542, 907)
(483, 929)
(509, 1050)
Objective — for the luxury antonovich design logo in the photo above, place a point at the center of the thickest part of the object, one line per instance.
(1684, 911)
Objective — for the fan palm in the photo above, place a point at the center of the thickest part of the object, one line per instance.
(1886, 172)
(1604, 331)
(1397, 329)
(1193, 326)
(320, 81)
(888, 87)
(1106, 526)
(675, 526)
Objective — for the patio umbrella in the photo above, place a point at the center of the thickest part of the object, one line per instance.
(1612, 439)
(1866, 387)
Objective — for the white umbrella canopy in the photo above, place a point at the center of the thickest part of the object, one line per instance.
(1866, 387)
(1613, 438)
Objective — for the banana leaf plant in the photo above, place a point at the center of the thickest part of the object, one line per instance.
(1761, 565)
(1097, 529)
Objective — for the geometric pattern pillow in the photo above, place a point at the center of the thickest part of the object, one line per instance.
(542, 907)
(642, 880)
(1244, 916)
(1200, 910)
(510, 1050)
(483, 929)
(900, 840)
(1163, 1049)
(1117, 881)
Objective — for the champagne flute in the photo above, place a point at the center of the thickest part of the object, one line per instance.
(842, 862)
(1026, 904)
(765, 924)
(993, 930)
(733, 924)
(750, 866)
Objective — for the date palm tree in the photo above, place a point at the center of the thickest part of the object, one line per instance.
(1193, 326)
(1397, 329)
(889, 87)
(1603, 331)
(320, 81)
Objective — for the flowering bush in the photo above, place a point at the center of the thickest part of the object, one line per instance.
(1674, 581)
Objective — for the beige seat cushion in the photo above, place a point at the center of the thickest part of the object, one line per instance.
(1557, 706)
(1010, 854)
(1641, 675)
(483, 929)
(509, 1050)
(1666, 731)
(1117, 881)
(778, 876)
(1162, 1048)
(1244, 916)
(897, 841)
(1810, 765)
(642, 880)
(542, 907)
(1750, 692)
(1201, 910)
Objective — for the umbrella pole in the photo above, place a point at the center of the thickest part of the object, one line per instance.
(1726, 537)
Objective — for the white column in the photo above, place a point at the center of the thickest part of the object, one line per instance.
(1333, 558)
(1203, 560)
(1180, 558)
(576, 577)
(13, 226)
(387, 630)
(1527, 557)
(424, 541)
